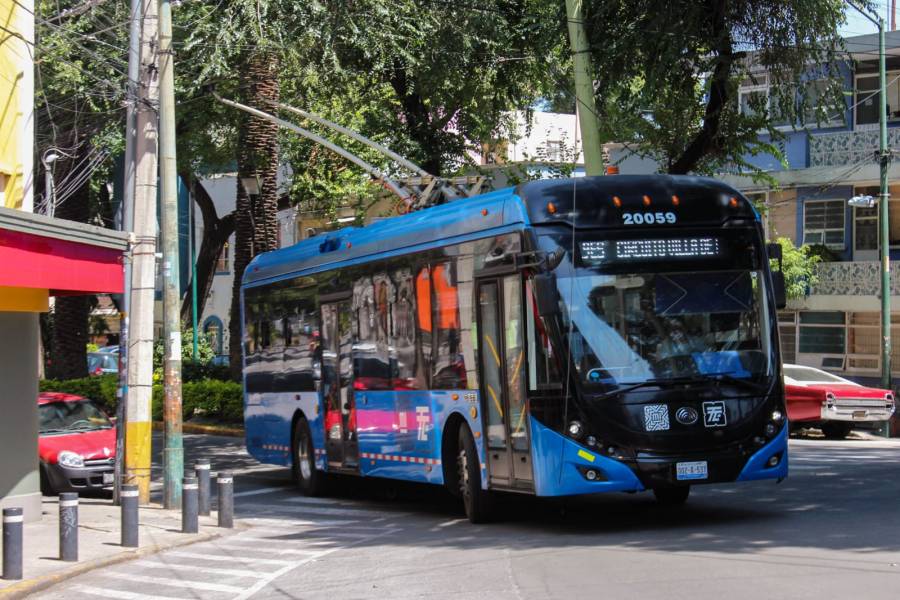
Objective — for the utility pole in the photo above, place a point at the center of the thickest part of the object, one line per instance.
(174, 451)
(133, 84)
(138, 436)
(884, 160)
(584, 89)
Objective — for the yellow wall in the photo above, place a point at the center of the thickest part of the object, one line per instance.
(16, 104)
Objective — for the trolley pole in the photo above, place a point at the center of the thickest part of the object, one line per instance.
(174, 450)
(584, 89)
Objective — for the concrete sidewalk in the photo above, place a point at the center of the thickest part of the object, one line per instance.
(98, 541)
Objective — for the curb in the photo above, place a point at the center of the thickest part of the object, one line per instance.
(30, 586)
(204, 429)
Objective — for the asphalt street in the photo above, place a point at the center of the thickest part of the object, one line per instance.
(829, 531)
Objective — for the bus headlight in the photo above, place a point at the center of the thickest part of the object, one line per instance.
(576, 430)
(591, 440)
(771, 430)
(777, 417)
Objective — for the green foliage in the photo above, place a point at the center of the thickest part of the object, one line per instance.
(668, 76)
(221, 401)
(101, 388)
(205, 355)
(215, 400)
(799, 267)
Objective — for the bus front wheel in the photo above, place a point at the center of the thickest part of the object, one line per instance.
(672, 496)
(476, 501)
(308, 479)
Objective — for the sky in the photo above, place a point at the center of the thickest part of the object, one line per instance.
(859, 25)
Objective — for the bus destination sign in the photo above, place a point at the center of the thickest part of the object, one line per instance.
(600, 252)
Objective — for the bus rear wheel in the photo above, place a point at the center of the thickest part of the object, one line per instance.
(672, 496)
(477, 502)
(303, 466)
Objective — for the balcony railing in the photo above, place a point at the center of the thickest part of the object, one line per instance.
(847, 147)
(857, 278)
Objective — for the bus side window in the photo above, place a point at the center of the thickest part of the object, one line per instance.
(408, 372)
(449, 364)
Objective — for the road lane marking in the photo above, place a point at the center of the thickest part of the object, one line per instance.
(181, 583)
(219, 557)
(106, 593)
(261, 491)
(152, 564)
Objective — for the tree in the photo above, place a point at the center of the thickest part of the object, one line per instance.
(799, 268)
(668, 75)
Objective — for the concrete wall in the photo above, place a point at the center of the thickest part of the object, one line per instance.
(19, 478)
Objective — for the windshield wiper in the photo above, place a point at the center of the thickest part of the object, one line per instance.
(725, 377)
(645, 383)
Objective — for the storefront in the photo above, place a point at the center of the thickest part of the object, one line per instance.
(40, 257)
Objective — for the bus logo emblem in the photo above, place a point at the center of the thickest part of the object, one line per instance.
(656, 417)
(686, 415)
(714, 414)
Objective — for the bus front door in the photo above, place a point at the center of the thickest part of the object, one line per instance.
(504, 403)
(341, 444)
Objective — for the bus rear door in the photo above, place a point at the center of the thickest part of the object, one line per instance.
(502, 382)
(341, 443)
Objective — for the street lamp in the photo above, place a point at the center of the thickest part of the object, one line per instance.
(884, 157)
(251, 185)
(862, 201)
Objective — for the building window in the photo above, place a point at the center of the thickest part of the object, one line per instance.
(222, 266)
(822, 332)
(823, 108)
(554, 151)
(823, 223)
(893, 211)
(755, 97)
(867, 99)
(787, 332)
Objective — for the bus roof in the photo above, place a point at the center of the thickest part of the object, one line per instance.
(697, 201)
(455, 221)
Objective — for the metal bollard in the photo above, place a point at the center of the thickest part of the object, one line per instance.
(202, 471)
(225, 483)
(12, 543)
(68, 526)
(129, 500)
(189, 523)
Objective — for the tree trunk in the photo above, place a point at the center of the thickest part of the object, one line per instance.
(256, 224)
(216, 232)
(68, 346)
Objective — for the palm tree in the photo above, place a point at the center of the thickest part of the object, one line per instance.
(256, 225)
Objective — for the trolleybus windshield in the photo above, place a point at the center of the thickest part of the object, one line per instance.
(670, 307)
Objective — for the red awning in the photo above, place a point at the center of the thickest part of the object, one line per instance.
(64, 267)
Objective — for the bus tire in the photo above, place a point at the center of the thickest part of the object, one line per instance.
(476, 501)
(303, 465)
(672, 496)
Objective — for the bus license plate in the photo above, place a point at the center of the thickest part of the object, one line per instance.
(691, 470)
(860, 414)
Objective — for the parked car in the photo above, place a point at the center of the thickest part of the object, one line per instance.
(816, 398)
(100, 363)
(76, 444)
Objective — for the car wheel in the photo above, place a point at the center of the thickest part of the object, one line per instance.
(476, 501)
(310, 480)
(835, 430)
(672, 496)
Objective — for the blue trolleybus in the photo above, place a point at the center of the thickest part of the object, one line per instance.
(561, 337)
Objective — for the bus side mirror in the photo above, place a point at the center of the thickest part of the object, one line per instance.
(774, 253)
(778, 289)
(545, 294)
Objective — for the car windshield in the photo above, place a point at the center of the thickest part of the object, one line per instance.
(645, 319)
(810, 375)
(72, 416)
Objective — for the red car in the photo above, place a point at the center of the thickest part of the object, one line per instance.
(819, 399)
(76, 444)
